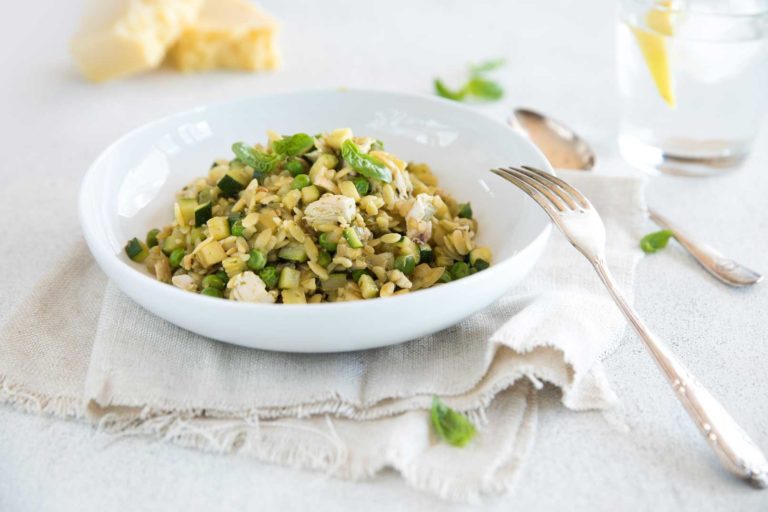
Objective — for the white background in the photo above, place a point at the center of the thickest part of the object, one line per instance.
(645, 455)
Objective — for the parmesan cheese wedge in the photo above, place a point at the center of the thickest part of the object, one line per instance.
(231, 34)
(122, 37)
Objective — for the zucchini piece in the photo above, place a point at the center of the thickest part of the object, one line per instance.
(310, 194)
(481, 265)
(352, 239)
(405, 264)
(210, 254)
(152, 237)
(203, 213)
(408, 247)
(425, 254)
(293, 252)
(293, 296)
(205, 195)
(326, 243)
(136, 250)
(368, 288)
(173, 241)
(232, 265)
(334, 282)
(187, 205)
(465, 211)
(323, 258)
(235, 180)
(289, 278)
(218, 228)
(480, 253)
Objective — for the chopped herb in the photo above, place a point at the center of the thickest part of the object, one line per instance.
(363, 164)
(256, 160)
(294, 145)
(465, 211)
(656, 241)
(453, 427)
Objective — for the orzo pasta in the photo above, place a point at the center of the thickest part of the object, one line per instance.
(306, 219)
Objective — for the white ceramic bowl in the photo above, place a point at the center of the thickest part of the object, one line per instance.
(130, 189)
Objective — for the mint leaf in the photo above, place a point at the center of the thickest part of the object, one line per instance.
(486, 66)
(484, 89)
(477, 87)
(445, 92)
(363, 164)
(453, 427)
(295, 145)
(258, 161)
(656, 241)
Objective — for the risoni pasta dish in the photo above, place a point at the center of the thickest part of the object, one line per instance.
(307, 219)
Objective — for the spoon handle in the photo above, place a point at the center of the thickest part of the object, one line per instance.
(725, 269)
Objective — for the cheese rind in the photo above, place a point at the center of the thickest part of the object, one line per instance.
(231, 34)
(123, 37)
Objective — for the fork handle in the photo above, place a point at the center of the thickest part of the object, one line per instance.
(737, 452)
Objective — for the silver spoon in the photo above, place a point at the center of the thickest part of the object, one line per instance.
(566, 150)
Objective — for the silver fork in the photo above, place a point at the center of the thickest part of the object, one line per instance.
(575, 216)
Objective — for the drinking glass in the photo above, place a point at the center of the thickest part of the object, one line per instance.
(693, 82)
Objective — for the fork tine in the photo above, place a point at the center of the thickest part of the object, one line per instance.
(583, 201)
(544, 188)
(537, 196)
(561, 193)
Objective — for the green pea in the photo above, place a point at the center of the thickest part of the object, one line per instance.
(324, 259)
(362, 185)
(176, 256)
(269, 275)
(212, 292)
(257, 260)
(465, 211)
(301, 181)
(214, 281)
(295, 167)
(222, 275)
(152, 237)
(405, 264)
(325, 243)
(459, 269)
(446, 277)
(237, 228)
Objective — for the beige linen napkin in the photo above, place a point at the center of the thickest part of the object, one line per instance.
(105, 360)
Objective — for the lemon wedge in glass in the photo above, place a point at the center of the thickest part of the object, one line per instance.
(653, 43)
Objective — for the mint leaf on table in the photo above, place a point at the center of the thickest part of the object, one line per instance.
(477, 86)
(363, 164)
(655, 241)
(453, 427)
(484, 89)
(294, 145)
(486, 66)
(445, 92)
(256, 160)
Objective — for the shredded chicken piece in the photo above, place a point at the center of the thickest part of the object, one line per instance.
(185, 282)
(248, 287)
(418, 221)
(330, 209)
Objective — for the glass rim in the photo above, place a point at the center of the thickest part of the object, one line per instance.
(657, 6)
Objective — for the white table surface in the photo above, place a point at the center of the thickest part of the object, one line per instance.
(645, 455)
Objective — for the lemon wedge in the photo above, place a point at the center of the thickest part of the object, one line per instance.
(654, 47)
